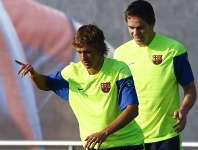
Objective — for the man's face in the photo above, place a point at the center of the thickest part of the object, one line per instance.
(140, 31)
(90, 57)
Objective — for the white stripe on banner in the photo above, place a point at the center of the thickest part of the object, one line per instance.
(16, 52)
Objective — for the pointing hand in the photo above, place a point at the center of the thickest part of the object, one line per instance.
(26, 69)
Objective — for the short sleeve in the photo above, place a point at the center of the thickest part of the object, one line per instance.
(126, 92)
(182, 69)
(58, 85)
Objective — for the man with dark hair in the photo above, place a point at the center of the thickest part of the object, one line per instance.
(100, 91)
(158, 64)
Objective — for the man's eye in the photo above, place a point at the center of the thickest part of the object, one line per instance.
(87, 52)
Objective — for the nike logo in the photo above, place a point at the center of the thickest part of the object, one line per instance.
(131, 63)
(80, 89)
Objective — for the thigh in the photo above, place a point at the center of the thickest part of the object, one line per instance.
(169, 144)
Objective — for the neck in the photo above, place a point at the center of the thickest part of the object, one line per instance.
(151, 38)
(97, 68)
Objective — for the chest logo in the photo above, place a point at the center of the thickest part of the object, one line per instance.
(105, 87)
(157, 59)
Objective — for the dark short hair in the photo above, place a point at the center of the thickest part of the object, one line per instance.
(90, 35)
(141, 9)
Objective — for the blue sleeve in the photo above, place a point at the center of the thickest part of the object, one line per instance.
(182, 68)
(58, 85)
(126, 92)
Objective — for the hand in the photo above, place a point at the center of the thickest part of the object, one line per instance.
(95, 138)
(181, 123)
(26, 69)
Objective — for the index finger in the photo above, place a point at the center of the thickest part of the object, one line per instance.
(20, 63)
(177, 124)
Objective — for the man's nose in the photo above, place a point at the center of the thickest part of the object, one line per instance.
(135, 31)
(84, 56)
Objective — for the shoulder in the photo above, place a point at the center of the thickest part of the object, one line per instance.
(124, 48)
(71, 69)
(125, 45)
(117, 66)
(169, 41)
(73, 66)
(114, 63)
(170, 44)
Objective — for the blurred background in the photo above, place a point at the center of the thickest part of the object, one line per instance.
(44, 29)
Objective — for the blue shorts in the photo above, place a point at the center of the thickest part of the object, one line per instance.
(135, 147)
(169, 144)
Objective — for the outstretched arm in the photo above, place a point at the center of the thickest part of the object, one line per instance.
(39, 80)
(128, 114)
(188, 102)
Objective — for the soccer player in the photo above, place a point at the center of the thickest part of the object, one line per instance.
(100, 91)
(158, 65)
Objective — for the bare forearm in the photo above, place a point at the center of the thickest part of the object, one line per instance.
(40, 81)
(129, 113)
(188, 102)
(189, 97)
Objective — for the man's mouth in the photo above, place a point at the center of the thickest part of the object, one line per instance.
(85, 63)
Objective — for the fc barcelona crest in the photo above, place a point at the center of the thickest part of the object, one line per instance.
(157, 59)
(105, 87)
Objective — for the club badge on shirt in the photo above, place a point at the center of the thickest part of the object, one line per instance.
(105, 87)
(157, 59)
